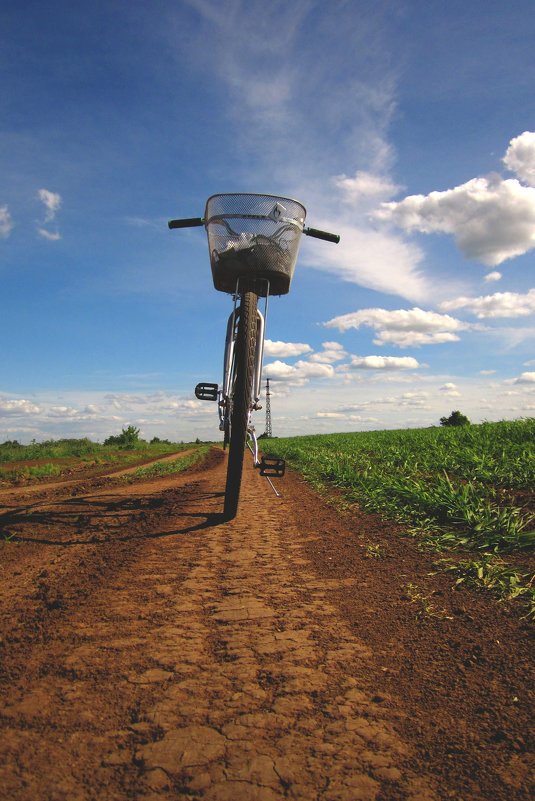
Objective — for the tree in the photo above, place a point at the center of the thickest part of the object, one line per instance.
(128, 438)
(455, 419)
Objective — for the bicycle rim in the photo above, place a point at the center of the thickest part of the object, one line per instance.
(243, 379)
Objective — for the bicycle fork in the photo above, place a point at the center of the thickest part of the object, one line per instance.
(225, 393)
(270, 468)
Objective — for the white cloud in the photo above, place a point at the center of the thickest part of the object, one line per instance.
(402, 327)
(493, 276)
(520, 157)
(19, 406)
(490, 218)
(51, 201)
(285, 349)
(52, 236)
(6, 222)
(272, 101)
(353, 418)
(297, 374)
(366, 187)
(501, 304)
(382, 363)
(450, 389)
(332, 352)
(487, 372)
(375, 259)
(525, 378)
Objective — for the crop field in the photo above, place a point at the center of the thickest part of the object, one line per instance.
(469, 488)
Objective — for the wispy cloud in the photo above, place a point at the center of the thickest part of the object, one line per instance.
(52, 203)
(273, 78)
(6, 222)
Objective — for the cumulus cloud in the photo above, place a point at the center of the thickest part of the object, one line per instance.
(520, 157)
(332, 352)
(493, 276)
(299, 373)
(383, 363)
(450, 389)
(491, 219)
(526, 378)
(18, 406)
(285, 349)
(6, 223)
(402, 327)
(501, 304)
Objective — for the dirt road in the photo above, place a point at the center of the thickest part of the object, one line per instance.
(151, 651)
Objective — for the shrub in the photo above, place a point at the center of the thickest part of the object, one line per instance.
(455, 419)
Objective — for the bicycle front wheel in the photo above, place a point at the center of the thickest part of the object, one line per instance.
(244, 360)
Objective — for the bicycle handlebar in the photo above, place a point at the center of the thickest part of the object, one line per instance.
(322, 235)
(192, 222)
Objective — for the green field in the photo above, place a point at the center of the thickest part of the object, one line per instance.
(31, 461)
(469, 488)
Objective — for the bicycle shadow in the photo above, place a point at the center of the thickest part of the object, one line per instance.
(98, 516)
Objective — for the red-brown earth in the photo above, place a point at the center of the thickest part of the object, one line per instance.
(150, 650)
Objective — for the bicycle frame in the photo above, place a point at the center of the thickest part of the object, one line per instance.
(226, 391)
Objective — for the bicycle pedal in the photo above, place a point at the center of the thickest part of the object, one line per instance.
(206, 391)
(272, 468)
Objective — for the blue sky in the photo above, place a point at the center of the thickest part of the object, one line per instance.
(407, 127)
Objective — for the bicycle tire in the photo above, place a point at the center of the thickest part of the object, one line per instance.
(244, 350)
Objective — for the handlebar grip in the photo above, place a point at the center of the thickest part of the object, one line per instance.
(322, 235)
(192, 222)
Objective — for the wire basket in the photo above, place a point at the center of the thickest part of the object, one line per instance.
(254, 237)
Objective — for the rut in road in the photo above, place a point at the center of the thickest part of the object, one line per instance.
(207, 663)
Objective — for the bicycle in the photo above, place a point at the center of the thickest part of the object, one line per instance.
(253, 243)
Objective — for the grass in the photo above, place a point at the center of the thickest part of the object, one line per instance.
(69, 452)
(170, 467)
(468, 489)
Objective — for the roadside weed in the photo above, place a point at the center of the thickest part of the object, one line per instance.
(425, 607)
(489, 571)
(375, 551)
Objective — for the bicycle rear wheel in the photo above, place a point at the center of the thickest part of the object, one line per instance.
(244, 359)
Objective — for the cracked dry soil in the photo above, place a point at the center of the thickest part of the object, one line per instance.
(151, 651)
